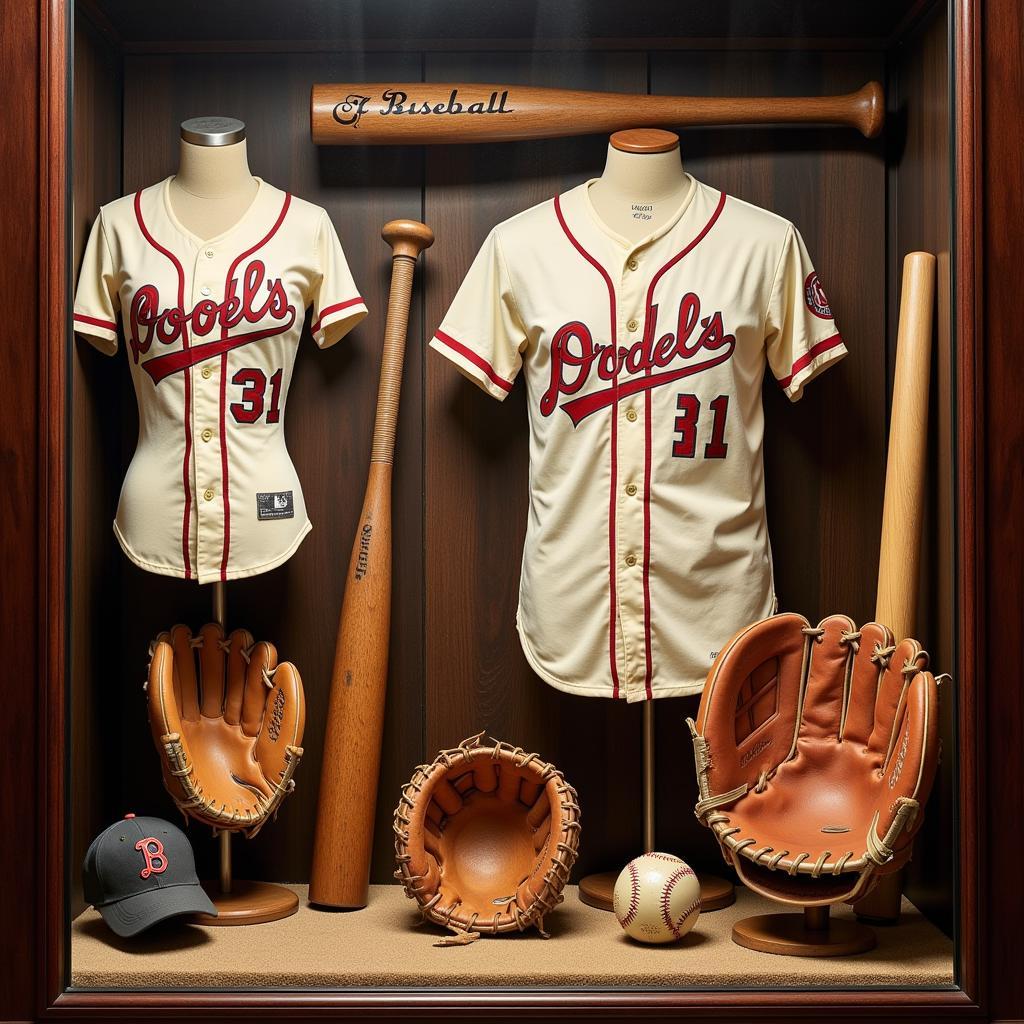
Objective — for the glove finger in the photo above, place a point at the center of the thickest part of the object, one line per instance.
(890, 696)
(239, 644)
(186, 684)
(258, 683)
(161, 695)
(211, 670)
(864, 683)
(911, 762)
(283, 724)
(827, 679)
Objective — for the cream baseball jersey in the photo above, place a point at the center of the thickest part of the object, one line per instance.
(647, 545)
(211, 328)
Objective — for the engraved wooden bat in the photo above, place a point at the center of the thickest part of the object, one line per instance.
(414, 113)
(355, 716)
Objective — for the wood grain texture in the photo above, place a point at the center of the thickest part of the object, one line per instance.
(96, 400)
(1001, 481)
(21, 537)
(900, 557)
(921, 208)
(456, 662)
(350, 768)
(388, 113)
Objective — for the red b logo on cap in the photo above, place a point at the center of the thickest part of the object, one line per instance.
(153, 850)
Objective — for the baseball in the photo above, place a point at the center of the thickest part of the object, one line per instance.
(657, 898)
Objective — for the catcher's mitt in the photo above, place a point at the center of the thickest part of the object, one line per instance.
(227, 720)
(485, 838)
(816, 748)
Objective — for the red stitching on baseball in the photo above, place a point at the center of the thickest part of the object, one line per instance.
(670, 857)
(634, 896)
(666, 894)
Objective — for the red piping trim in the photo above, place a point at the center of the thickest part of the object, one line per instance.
(809, 356)
(229, 288)
(648, 668)
(186, 461)
(477, 360)
(96, 322)
(612, 495)
(328, 310)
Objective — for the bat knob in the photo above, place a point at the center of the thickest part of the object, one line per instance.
(407, 237)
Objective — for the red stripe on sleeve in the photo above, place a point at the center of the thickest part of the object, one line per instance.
(478, 361)
(328, 310)
(95, 321)
(809, 356)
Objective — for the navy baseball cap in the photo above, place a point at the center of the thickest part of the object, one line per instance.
(141, 871)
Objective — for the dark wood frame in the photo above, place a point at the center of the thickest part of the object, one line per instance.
(988, 166)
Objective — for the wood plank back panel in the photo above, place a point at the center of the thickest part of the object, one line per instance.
(461, 478)
(96, 398)
(921, 212)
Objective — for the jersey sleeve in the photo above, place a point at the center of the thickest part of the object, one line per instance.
(97, 302)
(337, 304)
(801, 334)
(483, 333)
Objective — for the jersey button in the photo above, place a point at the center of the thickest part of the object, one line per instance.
(208, 494)
(205, 290)
(207, 434)
(630, 560)
(631, 415)
(633, 324)
(633, 263)
(631, 489)
(209, 254)
(207, 372)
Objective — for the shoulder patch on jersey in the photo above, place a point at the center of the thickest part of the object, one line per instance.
(815, 297)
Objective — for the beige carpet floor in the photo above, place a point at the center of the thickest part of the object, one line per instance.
(384, 946)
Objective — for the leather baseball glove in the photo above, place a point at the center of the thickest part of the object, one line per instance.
(227, 719)
(485, 838)
(816, 748)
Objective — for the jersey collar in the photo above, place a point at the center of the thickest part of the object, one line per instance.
(626, 243)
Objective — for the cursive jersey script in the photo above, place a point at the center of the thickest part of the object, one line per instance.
(576, 358)
(260, 298)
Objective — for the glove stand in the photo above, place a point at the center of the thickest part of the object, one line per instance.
(598, 890)
(238, 901)
(812, 933)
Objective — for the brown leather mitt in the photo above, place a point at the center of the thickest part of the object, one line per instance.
(816, 748)
(227, 719)
(485, 838)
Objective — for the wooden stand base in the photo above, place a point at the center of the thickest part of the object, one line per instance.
(249, 903)
(882, 904)
(811, 933)
(598, 890)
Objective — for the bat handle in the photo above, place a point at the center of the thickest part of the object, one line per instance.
(407, 238)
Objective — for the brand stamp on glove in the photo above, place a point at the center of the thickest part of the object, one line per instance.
(275, 505)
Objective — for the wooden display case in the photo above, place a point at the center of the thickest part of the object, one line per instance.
(95, 94)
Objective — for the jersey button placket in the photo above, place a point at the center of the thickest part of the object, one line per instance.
(206, 457)
(630, 463)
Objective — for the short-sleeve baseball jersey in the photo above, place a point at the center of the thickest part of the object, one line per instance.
(647, 545)
(211, 328)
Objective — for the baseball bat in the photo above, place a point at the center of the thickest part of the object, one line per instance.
(414, 113)
(343, 842)
(899, 561)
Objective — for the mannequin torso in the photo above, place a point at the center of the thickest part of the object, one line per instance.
(639, 191)
(213, 187)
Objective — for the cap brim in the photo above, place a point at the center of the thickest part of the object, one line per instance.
(134, 914)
